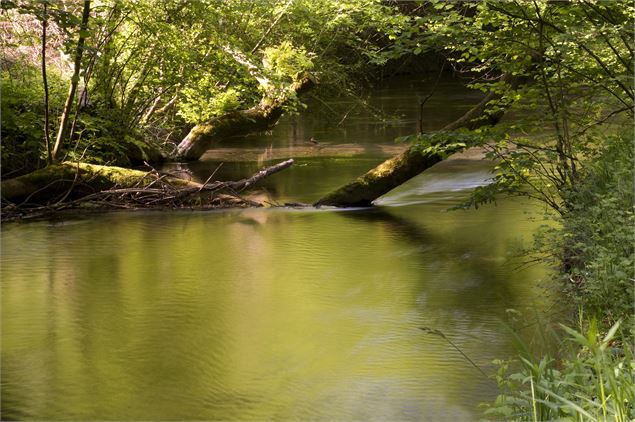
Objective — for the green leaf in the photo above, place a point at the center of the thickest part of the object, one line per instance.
(611, 333)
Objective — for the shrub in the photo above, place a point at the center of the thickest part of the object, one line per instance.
(598, 233)
(22, 103)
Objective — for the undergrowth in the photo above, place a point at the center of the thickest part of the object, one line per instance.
(590, 375)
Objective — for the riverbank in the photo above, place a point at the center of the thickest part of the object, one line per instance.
(590, 373)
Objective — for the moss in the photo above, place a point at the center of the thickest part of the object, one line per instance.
(380, 180)
(258, 118)
(44, 184)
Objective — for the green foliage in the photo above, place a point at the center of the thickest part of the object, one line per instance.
(285, 61)
(591, 380)
(523, 167)
(442, 143)
(598, 229)
(155, 66)
(206, 100)
(22, 103)
(572, 67)
(588, 379)
(99, 141)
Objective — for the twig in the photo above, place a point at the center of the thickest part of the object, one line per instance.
(430, 94)
(440, 334)
(210, 177)
(244, 183)
(156, 193)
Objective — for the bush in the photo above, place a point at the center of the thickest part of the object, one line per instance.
(22, 102)
(587, 379)
(598, 233)
(99, 136)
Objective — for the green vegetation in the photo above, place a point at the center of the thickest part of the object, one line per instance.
(142, 73)
(598, 234)
(592, 373)
(591, 379)
(122, 82)
(577, 60)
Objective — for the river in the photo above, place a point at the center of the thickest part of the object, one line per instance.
(275, 314)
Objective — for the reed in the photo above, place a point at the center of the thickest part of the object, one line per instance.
(591, 379)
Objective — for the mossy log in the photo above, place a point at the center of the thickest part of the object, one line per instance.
(71, 180)
(397, 170)
(69, 186)
(256, 119)
(385, 177)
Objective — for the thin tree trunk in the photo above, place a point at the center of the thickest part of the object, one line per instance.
(76, 116)
(275, 22)
(47, 138)
(61, 133)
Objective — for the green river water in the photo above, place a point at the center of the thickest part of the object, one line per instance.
(273, 314)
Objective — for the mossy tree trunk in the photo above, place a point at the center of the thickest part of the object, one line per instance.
(397, 170)
(67, 179)
(388, 175)
(256, 119)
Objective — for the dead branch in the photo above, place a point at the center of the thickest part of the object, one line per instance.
(152, 191)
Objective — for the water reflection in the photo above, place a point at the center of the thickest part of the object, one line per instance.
(270, 314)
(257, 314)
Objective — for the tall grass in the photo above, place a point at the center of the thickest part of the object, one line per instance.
(591, 379)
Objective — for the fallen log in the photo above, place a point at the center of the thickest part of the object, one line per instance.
(395, 171)
(81, 185)
(67, 179)
(382, 179)
(256, 119)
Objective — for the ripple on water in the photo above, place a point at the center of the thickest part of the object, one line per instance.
(261, 314)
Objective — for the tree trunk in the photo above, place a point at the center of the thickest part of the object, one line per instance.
(380, 180)
(397, 170)
(66, 112)
(56, 180)
(47, 138)
(59, 182)
(259, 118)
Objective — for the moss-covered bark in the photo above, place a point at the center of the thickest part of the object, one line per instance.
(398, 170)
(75, 179)
(388, 175)
(259, 118)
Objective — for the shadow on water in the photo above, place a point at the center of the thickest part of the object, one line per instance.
(479, 269)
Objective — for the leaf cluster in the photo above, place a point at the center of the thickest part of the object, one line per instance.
(443, 143)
